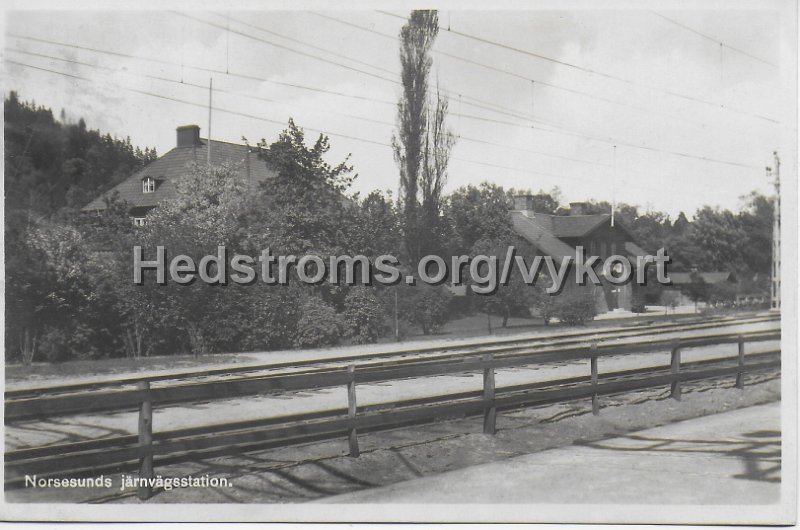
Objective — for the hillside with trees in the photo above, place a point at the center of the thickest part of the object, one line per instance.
(55, 167)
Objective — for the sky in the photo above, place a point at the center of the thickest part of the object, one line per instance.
(666, 109)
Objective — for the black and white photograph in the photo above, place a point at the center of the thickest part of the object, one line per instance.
(451, 262)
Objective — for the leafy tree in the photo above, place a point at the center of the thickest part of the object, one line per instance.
(439, 142)
(546, 202)
(543, 302)
(756, 220)
(425, 306)
(304, 216)
(319, 325)
(478, 213)
(53, 166)
(364, 315)
(372, 228)
(206, 212)
(697, 289)
(52, 302)
(670, 298)
(27, 286)
(681, 224)
(722, 294)
(715, 237)
(268, 317)
(515, 298)
(409, 141)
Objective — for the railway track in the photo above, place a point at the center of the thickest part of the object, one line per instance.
(122, 453)
(125, 452)
(396, 358)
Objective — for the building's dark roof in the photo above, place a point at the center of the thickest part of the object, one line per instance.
(546, 231)
(539, 236)
(685, 278)
(570, 225)
(172, 165)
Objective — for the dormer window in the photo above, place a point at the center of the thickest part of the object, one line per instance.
(148, 185)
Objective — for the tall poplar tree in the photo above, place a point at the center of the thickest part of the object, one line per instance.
(411, 137)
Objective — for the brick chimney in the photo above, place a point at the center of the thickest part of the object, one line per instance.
(188, 136)
(577, 208)
(524, 204)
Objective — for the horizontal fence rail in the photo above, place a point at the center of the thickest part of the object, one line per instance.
(26, 408)
(141, 451)
(496, 346)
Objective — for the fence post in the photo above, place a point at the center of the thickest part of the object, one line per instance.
(675, 370)
(145, 441)
(489, 409)
(593, 361)
(740, 371)
(351, 410)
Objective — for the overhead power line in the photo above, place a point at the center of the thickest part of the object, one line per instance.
(471, 101)
(560, 130)
(268, 100)
(203, 69)
(303, 43)
(279, 83)
(489, 106)
(120, 70)
(468, 100)
(598, 73)
(714, 39)
(284, 47)
(283, 124)
(523, 77)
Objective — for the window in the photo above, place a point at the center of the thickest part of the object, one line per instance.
(148, 185)
(139, 221)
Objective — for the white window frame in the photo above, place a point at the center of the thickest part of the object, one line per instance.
(148, 185)
(139, 221)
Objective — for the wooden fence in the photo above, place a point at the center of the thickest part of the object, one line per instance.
(496, 345)
(142, 451)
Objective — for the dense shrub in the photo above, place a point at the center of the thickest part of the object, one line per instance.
(544, 304)
(271, 320)
(364, 316)
(723, 293)
(575, 307)
(318, 326)
(670, 299)
(638, 302)
(53, 345)
(426, 306)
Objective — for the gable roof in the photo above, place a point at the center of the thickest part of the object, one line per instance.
(570, 225)
(546, 231)
(539, 236)
(174, 164)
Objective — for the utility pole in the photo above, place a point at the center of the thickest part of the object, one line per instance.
(396, 319)
(775, 281)
(208, 150)
(614, 189)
